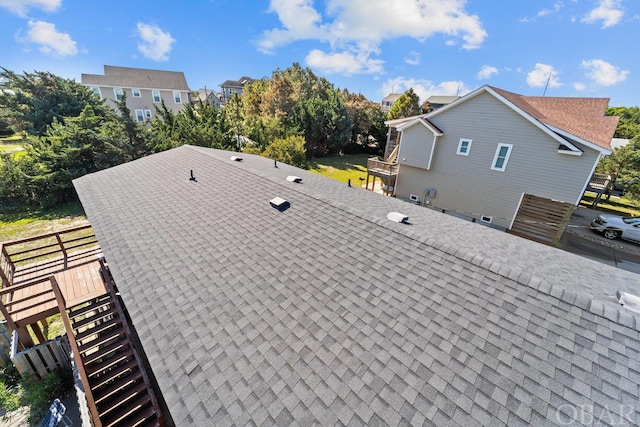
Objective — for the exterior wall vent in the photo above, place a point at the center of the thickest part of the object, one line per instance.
(236, 158)
(293, 178)
(414, 198)
(398, 217)
(279, 203)
(486, 218)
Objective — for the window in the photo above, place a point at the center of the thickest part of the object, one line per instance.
(136, 93)
(140, 115)
(147, 114)
(156, 96)
(464, 146)
(502, 157)
(96, 92)
(118, 92)
(176, 97)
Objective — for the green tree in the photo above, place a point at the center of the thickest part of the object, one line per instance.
(407, 105)
(368, 121)
(629, 125)
(69, 150)
(204, 125)
(290, 150)
(32, 101)
(325, 123)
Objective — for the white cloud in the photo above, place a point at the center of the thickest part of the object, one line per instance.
(155, 44)
(413, 58)
(579, 86)
(609, 11)
(556, 8)
(52, 42)
(602, 73)
(423, 88)
(362, 25)
(21, 7)
(344, 62)
(542, 74)
(486, 72)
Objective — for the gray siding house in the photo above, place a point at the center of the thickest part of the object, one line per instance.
(495, 146)
(144, 89)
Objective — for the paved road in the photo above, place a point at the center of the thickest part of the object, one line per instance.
(605, 252)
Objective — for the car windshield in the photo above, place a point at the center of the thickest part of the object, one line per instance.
(631, 220)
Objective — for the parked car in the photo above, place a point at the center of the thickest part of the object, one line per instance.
(614, 226)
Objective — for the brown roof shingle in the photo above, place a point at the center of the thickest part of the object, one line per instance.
(582, 117)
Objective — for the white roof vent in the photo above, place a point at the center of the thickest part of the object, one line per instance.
(280, 203)
(630, 301)
(398, 217)
(293, 178)
(236, 158)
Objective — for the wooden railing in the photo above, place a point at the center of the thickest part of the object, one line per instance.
(43, 250)
(374, 164)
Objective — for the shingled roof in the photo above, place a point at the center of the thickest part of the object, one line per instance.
(581, 117)
(327, 312)
(138, 78)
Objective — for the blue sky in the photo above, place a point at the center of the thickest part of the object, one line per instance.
(439, 47)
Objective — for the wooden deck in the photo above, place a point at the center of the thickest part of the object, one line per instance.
(28, 267)
(30, 297)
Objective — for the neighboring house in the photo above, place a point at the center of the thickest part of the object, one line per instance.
(207, 95)
(144, 89)
(478, 156)
(387, 101)
(232, 87)
(325, 312)
(438, 101)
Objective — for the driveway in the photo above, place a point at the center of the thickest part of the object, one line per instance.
(580, 225)
(580, 239)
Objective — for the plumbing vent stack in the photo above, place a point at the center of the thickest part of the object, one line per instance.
(236, 158)
(296, 179)
(398, 217)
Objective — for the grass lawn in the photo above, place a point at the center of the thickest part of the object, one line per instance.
(20, 225)
(342, 168)
(615, 205)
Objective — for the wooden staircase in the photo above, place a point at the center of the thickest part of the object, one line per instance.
(118, 390)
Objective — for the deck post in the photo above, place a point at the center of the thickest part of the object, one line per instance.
(7, 260)
(38, 332)
(62, 248)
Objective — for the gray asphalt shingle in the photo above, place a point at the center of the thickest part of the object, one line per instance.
(329, 313)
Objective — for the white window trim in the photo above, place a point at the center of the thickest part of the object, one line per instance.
(141, 112)
(115, 93)
(153, 96)
(147, 114)
(506, 158)
(96, 88)
(177, 99)
(134, 91)
(459, 151)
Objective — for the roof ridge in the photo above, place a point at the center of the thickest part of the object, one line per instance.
(516, 274)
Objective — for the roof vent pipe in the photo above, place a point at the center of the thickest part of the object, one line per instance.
(236, 158)
(293, 178)
(192, 178)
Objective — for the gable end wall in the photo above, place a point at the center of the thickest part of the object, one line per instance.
(467, 184)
